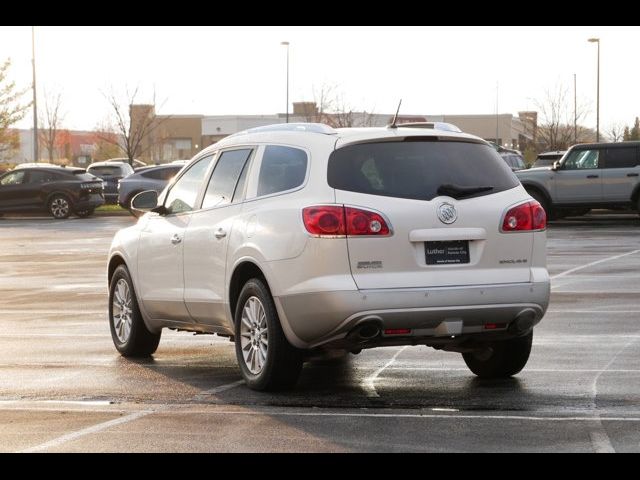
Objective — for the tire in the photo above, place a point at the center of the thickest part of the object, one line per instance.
(85, 213)
(542, 200)
(130, 335)
(506, 358)
(266, 359)
(59, 206)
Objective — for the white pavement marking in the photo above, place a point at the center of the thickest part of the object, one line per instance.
(56, 442)
(220, 389)
(369, 383)
(118, 421)
(591, 264)
(599, 438)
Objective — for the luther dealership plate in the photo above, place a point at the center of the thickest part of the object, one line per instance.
(447, 253)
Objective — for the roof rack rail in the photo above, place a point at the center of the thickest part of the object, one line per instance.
(291, 127)
(448, 127)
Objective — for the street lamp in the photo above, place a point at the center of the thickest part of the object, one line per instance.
(287, 110)
(597, 40)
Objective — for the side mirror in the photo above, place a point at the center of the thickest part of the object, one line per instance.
(144, 202)
(556, 165)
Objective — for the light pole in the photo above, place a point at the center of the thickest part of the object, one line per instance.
(597, 40)
(287, 110)
(35, 107)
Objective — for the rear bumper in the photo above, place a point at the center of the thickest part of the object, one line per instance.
(324, 318)
(93, 201)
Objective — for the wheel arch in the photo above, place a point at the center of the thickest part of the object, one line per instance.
(539, 189)
(635, 195)
(242, 272)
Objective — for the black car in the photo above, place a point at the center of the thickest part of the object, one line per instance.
(110, 172)
(57, 190)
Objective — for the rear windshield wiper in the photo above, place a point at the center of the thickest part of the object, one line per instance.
(458, 191)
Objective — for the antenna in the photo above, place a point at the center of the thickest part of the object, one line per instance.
(395, 117)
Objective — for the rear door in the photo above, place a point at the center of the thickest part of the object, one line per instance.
(620, 174)
(436, 239)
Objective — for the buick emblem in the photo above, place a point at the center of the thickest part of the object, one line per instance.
(447, 213)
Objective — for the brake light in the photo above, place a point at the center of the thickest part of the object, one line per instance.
(337, 220)
(528, 216)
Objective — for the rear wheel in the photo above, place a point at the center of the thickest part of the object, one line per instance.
(59, 206)
(266, 358)
(500, 359)
(128, 331)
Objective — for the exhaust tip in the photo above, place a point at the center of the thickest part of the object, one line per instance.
(524, 321)
(368, 331)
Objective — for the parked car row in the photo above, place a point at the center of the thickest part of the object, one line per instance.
(62, 191)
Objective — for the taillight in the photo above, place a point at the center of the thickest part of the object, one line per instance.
(337, 220)
(529, 216)
(324, 220)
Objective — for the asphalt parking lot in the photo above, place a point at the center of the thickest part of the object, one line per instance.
(63, 387)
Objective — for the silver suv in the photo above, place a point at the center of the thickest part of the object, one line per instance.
(594, 175)
(298, 239)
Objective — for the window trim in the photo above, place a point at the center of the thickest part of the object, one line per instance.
(248, 163)
(254, 174)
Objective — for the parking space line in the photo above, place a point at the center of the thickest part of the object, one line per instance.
(591, 264)
(369, 383)
(86, 431)
(119, 421)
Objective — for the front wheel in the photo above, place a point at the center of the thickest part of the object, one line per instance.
(266, 358)
(128, 331)
(542, 200)
(501, 359)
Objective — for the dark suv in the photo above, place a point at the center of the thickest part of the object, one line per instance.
(111, 172)
(57, 190)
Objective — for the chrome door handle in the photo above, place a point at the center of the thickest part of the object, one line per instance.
(220, 233)
(176, 239)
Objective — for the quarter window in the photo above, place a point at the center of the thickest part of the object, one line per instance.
(182, 196)
(624, 157)
(283, 168)
(225, 178)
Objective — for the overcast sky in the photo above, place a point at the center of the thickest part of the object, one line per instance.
(242, 70)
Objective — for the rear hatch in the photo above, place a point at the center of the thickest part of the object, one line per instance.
(444, 201)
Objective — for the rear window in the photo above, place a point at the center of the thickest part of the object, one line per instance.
(105, 171)
(166, 173)
(416, 169)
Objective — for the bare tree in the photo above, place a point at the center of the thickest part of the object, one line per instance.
(615, 131)
(51, 122)
(556, 129)
(134, 133)
(11, 110)
(330, 107)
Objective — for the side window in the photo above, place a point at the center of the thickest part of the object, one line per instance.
(13, 178)
(183, 194)
(624, 157)
(225, 177)
(43, 177)
(283, 168)
(582, 160)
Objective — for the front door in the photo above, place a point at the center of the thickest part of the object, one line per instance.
(579, 180)
(207, 238)
(13, 194)
(161, 247)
